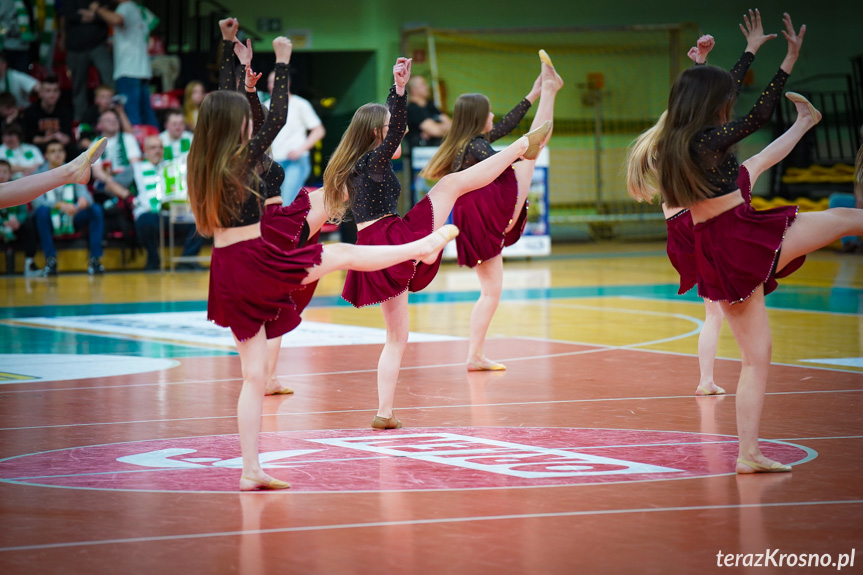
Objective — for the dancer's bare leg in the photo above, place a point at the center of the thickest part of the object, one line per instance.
(814, 230)
(317, 214)
(708, 341)
(452, 186)
(274, 387)
(524, 169)
(751, 328)
(779, 148)
(373, 258)
(490, 274)
(253, 358)
(397, 320)
(31, 187)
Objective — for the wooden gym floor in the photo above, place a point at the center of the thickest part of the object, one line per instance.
(590, 454)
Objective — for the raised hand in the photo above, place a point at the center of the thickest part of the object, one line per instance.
(251, 78)
(754, 31)
(402, 72)
(244, 52)
(795, 39)
(282, 47)
(229, 27)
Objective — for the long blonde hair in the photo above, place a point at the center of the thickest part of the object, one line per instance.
(189, 107)
(362, 136)
(641, 179)
(469, 118)
(216, 171)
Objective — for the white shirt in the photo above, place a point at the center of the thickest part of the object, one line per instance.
(26, 155)
(301, 119)
(112, 151)
(130, 44)
(176, 148)
(20, 85)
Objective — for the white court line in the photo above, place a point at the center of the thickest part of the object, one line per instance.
(426, 522)
(420, 408)
(769, 308)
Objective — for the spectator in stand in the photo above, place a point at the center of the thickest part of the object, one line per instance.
(24, 158)
(15, 227)
(122, 150)
(132, 71)
(17, 33)
(9, 112)
(290, 149)
(104, 99)
(86, 39)
(146, 182)
(192, 103)
(175, 139)
(427, 125)
(17, 83)
(48, 120)
(67, 208)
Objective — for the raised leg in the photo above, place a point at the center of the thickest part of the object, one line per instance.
(373, 258)
(708, 341)
(452, 186)
(776, 151)
(544, 112)
(490, 274)
(814, 230)
(317, 214)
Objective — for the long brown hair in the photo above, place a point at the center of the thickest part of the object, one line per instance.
(359, 139)
(641, 181)
(216, 171)
(469, 118)
(702, 96)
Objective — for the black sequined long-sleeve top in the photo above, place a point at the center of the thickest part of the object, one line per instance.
(374, 189)
(711, 146)
(479, 148)
(271, 173)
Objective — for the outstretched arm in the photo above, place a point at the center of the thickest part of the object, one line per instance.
(509, 122)
(397, 102)
(278, 115)
(244, 52)
(227, 80)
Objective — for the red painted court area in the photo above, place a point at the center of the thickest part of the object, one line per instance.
(576, 459)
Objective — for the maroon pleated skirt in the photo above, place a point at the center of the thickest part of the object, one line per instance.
(482, 217)
(251, 284)
(738, 250)
(283, 226)
(369, 288)
(681, 248)
(681, 238)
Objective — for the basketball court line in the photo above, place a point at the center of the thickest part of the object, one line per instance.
(375, 524)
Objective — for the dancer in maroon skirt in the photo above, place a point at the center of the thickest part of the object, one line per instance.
(251, 280)
(739, 251)
(360, 174)
(287, 227)
(494, 216)
(641, 182)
